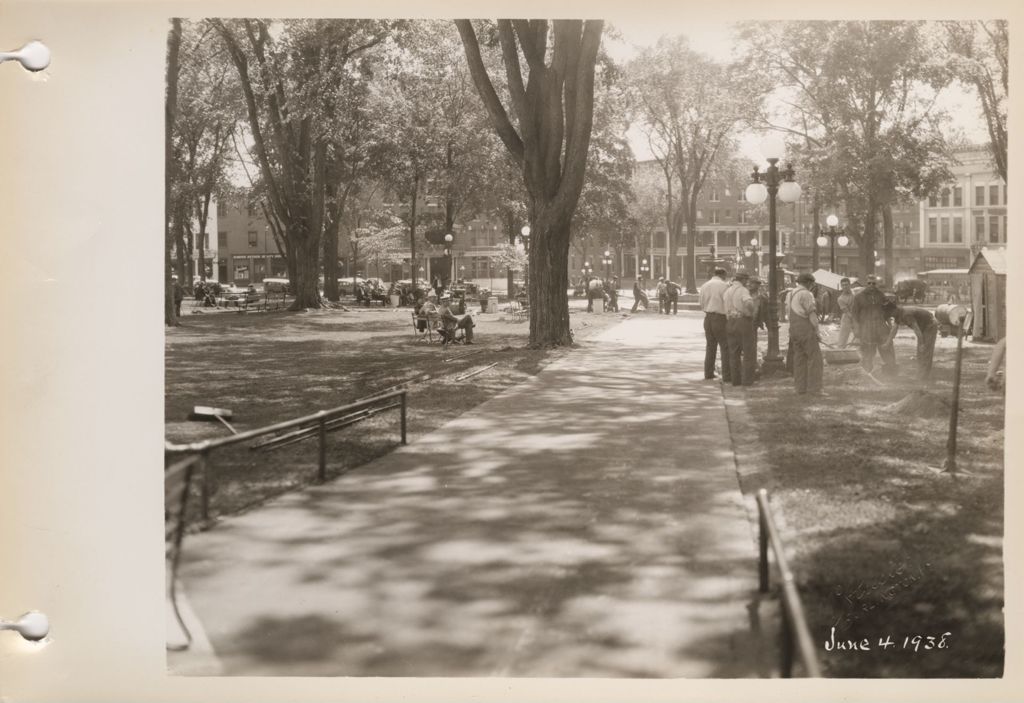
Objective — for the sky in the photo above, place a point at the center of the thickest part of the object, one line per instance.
(715, 39)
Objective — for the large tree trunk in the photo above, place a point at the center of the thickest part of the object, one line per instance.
(549, 271)
(306, 256)
(691, 254)
(412, 227)
(170, 112)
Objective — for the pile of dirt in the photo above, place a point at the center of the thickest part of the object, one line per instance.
(920, 404)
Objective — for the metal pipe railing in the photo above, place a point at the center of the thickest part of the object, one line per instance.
(319, 423)
(795, 633)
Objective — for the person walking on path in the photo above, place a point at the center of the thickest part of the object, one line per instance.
(712, 302)
(662, 296)
(739, 313)
(808, 365)
(871, 328)
(925, 329)
(639, 294)
(845, 303)
(672, 289)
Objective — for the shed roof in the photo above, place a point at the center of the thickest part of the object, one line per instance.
(995, 258)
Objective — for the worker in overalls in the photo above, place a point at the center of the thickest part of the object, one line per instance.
(808, 366)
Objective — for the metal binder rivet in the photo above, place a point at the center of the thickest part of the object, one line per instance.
(34, 56)
(33, 625)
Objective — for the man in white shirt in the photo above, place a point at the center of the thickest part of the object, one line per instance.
(808, 366)
(712, 302)
(739, 328)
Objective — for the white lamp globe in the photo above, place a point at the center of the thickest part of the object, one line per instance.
(789, 191)
(525, 231)
(843, 240)
(753, 242)
(832, 221)
(822, 241)
(448, 237)
(756, 193)
(772, 147)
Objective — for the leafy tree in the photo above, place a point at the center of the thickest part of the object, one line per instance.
(553, 107)
(980, 56)
(290, 80)
(690, 108)
(861, 96)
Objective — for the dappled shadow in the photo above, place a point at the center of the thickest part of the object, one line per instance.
(584, 523)
(883, 545)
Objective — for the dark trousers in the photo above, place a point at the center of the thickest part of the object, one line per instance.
(673, 304)
(742, 350)
(808, 365)
(886, 351)
(925, 350)
(637, 300)
(716, 339)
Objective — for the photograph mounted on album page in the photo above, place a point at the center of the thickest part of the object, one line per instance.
(493, 351)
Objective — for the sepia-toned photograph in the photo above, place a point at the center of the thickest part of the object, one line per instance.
(593, 348)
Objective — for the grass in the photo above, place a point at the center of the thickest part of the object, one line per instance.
(881, 544)
(275, 366)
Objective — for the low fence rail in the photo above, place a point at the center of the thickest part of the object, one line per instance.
(316, 425)
(795, 633)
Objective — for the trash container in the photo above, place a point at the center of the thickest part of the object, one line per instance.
(396, 300)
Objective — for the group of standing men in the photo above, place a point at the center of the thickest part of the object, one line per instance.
(733, 312)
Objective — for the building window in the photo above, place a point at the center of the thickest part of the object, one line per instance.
(741, 217)
(714, 195)
(252, 209)
(945, 197)
(252, 238)
(944, 230)
(714, 217)
(979, 196)
(933, 229)
(222, 240)
(958, 230)
(728, 213)
(958, 196)
(742, 197)
(993, 228)
(979, 228)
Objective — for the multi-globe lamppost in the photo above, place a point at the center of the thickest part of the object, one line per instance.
(607, 261)
(766, 186)
(831, 235)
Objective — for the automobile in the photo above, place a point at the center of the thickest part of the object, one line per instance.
(276, 285)
(346, 287)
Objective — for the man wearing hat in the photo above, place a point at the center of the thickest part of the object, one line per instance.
(712, 302)
(871, 327)
(739, 330)
(662, 296)
(808, 365)
(845, 302)
(451, 322)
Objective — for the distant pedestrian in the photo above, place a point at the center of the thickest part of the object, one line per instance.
(845, 303)
(739, 313)
(925, 329)
(662, 296)
(871, 328)
(179, 295)
(673, 289)
(808, 366)
(639, 294)
(712, 303)
(611, 289)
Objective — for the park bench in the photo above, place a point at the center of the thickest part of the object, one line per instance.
(177, 482)
(518, 310)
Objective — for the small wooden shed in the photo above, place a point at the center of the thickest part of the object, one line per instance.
(988, 294)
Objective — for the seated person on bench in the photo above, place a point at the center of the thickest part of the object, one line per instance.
(427, 308)
(451, 323)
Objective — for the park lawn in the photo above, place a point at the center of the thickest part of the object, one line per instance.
(883, 546)
(276, 366)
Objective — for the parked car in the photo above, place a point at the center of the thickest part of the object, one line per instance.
(345, 286)
(276, 285)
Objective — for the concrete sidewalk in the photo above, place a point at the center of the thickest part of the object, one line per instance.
(586, 523)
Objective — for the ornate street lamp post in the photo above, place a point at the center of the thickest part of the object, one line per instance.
(644, 269)
(607, 261)
(765, 186)
(448, 239)
(754, 250)
(832, 234)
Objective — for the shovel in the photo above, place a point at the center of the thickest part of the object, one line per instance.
(203, 412)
